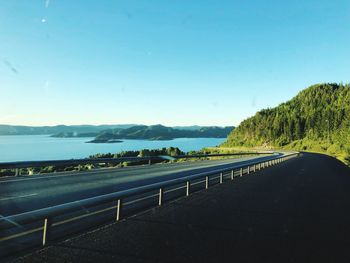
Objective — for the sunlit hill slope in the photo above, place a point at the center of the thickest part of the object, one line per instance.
(317, 119)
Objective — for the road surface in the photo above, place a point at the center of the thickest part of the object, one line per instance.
(27, 193)
(296, 211)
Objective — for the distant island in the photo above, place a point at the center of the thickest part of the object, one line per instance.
(104, 141)
(160, 132)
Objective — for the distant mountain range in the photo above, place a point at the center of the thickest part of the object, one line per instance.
(113, 133)
(64, 130)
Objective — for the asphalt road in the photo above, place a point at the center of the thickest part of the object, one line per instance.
(27, 193)
(296, 211)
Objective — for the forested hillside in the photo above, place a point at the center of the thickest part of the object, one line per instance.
(317, 119)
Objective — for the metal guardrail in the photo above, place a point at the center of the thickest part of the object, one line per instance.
(46, 215)
(149, 159)
(26, 164)
(15, 165)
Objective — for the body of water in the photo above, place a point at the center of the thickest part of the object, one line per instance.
(44, 147)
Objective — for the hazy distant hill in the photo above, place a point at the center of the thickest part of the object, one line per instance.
(189, 128)
(160, 132)
(108, 133)
(317, 119)
(59, 130)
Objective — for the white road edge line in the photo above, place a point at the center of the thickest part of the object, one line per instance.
(15, 197)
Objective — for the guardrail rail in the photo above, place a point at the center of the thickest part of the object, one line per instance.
(149, 159)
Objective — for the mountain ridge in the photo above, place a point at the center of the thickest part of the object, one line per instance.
(112, 133)
(160, 132)
(50, 130)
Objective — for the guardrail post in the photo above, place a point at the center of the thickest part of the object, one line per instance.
(221, 178)
(160, 200)
(188, 188)
(149, 162)
(248, 169)
(241, 172)
(119, 210)
(206, 182)
(254, 168)
(46, 230)
(232, 174)
(17, 172)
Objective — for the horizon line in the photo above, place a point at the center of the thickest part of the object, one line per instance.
(104, 124)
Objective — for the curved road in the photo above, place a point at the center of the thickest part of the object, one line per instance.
(296, 211)
(27, 193)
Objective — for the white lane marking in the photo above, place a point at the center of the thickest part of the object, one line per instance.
(15, 197)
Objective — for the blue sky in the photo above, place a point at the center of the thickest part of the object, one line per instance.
(174, 62)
